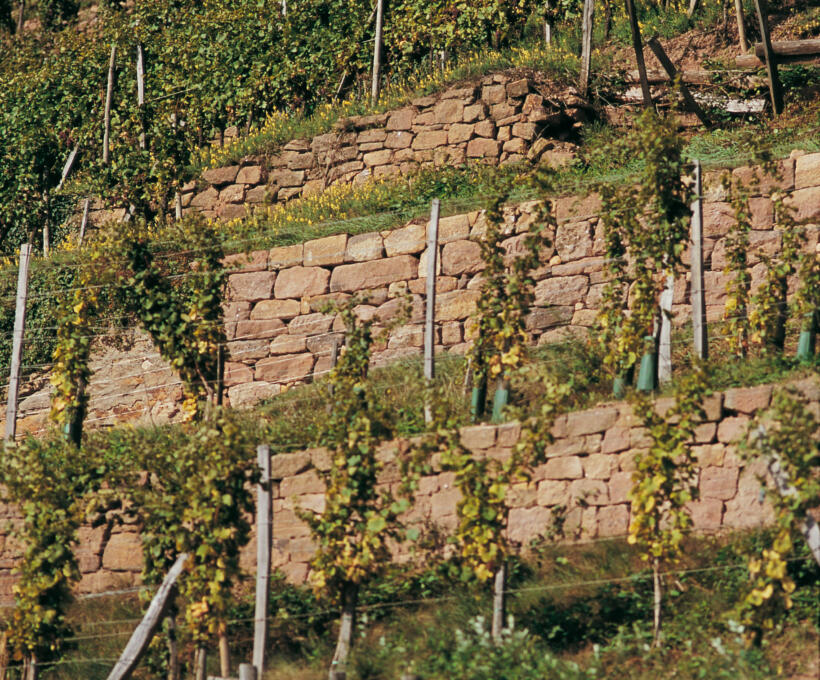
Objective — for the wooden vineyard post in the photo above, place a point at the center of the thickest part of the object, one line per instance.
(109, 94)
(638, 47)
(669, 67)
(143, 633)
(741, 26)
(17, 342)
(547, 25)
(263, 546)
(696, 255)
(69, 164)
(377, 54)
(21, 17)
(83, 223)
(430, 311)
(586, 46)
(141, 92)
(665, 339)
(247, 671)
(498, 603)
(775, 87)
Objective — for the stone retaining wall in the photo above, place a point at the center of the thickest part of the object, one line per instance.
(587, 473)
(497, 120)
(279, 336)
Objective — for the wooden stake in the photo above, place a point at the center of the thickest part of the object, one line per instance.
(21, 17)
(263, 547)
(144, 632)
(696, 255)
(69, 164)
(741, 26)
(775, 87)
(693, 6)
(84, 222)
(247, 671)
(109, 93)
(638, 47)
(17, 342)
(430, 318)
(224, 656)
(377, 54)
(669, 67)
(665, 339)
(586, 45)
(141, 92)
(498, 602)
(200, 663)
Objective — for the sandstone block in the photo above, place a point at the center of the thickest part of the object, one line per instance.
(456, 305)
(616, 439)
(477, 437)
(564, 290)
(475, 112)
(718, 482)
(254, 329)
(553, 492)
(732, 429)
(237, 374)
(577, 208)
(123, 552)
(364, 247)
(564, 467)
(310, 324)
(526, 524)
(221, 176)
(590, 491)
(620, 484)
(406, 336)
(542, 318)
(325, 251)
(706, 514)
(276, 309)
(399, 140)
(486, 128)
(287, 178)
(305, 482)
(449, 111)
(249, 394)
(518, 88)
(591, 421)
(483, 148)
(494, 94)
(248, 350)
(374, 158)
(298, 282)
(405, 241)
(451, 333)
(574, 241)
(401, 119)
(359, 276)
(516, 146)
(288, 344)
(430, 139)
(286, 256)
(372, 135)
(613, 520)
(233, 193)
(807, 171)
(255, 261)
(251, 286)
(600, 466)
(453, 228)
(748, 399)
(461, 257)
(205, 200)
(524, 130)
(286, 368)
(807, 203)
(460, 132)
(250, 174)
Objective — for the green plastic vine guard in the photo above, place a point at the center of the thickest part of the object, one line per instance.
(478, 399)
(619, 386)
(808, 339)
(649, 366)
(499, 402)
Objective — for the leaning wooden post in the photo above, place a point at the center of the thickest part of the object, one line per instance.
(430, 317)
(17, 342)
(696, 256)
(109, 94)
(377, 54)
(498, 603)
(263, 547)
(586, 46)
(665, 339)
(638, 47)
(21, 17)
(775, 87)
(69, 164)
(143, 633)
(141, 92)
(669, 67)
(741, 26)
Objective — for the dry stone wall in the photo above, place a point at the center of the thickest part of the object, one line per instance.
(497, 120)
(278, 334)
(587, 473)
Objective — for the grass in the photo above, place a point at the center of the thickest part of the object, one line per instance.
(585, 604)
